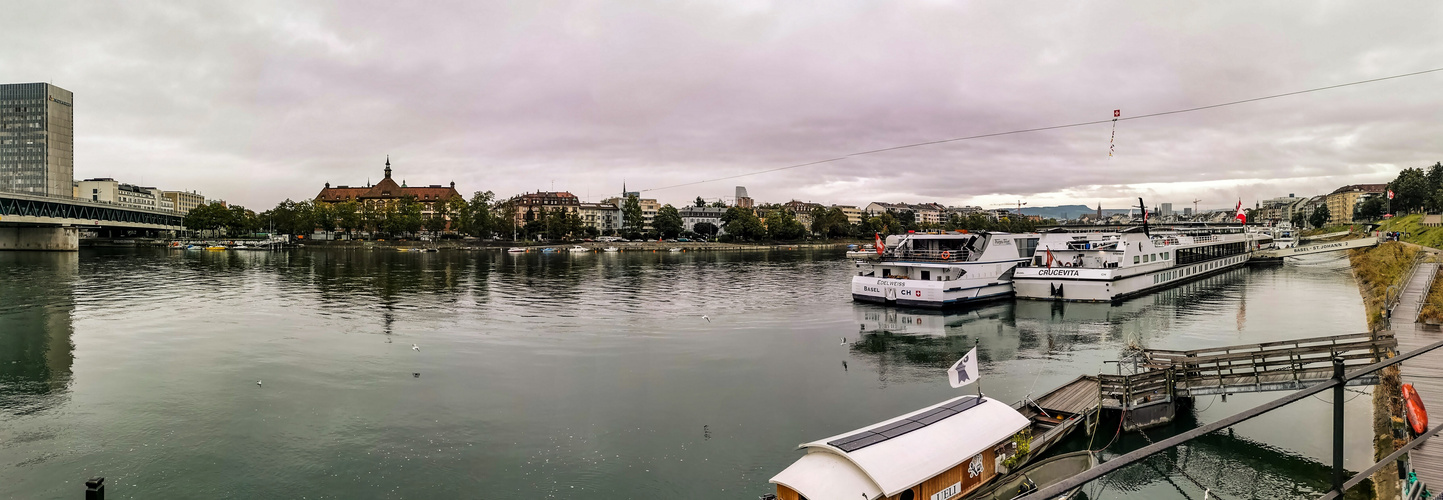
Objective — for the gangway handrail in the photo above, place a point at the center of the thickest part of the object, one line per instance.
(1337, 382)
(1423, 297)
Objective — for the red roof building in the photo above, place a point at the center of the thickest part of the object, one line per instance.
(387, 192)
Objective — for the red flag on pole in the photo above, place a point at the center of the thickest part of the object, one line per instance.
(1242, 216)
(1049, 258)
(1390, 194)
(881, 247)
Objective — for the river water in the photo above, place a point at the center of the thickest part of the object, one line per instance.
(575, 375)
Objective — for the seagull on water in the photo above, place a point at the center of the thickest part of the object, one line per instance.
(258, 383)
(844, 341)
(708, 320)
(415, 347)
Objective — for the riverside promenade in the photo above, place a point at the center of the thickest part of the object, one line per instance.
(1425, 372)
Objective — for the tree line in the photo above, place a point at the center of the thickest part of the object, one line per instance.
(485, 217)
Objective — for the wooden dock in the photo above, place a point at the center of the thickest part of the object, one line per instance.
(1059, 412)
(1425, 372)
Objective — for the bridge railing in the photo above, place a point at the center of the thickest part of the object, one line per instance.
(1337, 382)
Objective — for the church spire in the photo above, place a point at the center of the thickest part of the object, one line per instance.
(388, 166)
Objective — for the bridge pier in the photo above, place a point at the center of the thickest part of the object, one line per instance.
(46, 239)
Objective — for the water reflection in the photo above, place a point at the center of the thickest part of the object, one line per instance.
(36, 304)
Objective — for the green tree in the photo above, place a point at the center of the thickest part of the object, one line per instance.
(718, 204)
(348, 216)
(1410, 190)
(241, 221)
(1320, 216)
(1370, 209)
(706, 229)
(700, 202)
(209, 217)
(668, 221)
(1299, 220)
(631, 217)
(372, 218)
(440, 215)
(408, 212)
(782, 225)
(462, 219)
(325, 217)
(485, 218)
(743, 224)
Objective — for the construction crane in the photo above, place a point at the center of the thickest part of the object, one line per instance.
(1194, 205)
(1019, 205)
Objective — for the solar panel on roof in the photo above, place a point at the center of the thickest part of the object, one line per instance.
(863, 439)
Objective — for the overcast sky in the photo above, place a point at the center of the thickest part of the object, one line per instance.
(255, 102)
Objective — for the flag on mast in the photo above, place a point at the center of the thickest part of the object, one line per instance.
(881, 247)
(1242, 216)
(964, 371)
(1390, 194)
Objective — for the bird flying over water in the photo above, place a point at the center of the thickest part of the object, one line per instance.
(415, 347)
(258, 383)
(708, 320)
(844, 341)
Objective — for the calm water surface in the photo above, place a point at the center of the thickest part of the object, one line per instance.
(573, 376)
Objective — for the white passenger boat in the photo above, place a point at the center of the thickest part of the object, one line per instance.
(578, 249)
(1284, 236)
(942, 269)
(610, 249)
(1111, 265)
(945, 451)
(516, 250)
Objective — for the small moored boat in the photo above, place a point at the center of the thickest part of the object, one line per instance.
(1039, 475)
(610, 249)
(673, 249)
(578, 249)
(516, 250)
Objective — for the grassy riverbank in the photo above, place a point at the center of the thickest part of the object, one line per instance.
(1377, 270)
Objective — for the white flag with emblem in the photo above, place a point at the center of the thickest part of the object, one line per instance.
(964, 371)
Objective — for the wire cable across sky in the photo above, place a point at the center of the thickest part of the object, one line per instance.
(1051, 127)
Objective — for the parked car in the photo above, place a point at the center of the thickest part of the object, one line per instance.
(683, 240)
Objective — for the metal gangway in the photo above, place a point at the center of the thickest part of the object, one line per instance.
(1160, 377)
(1332, 246)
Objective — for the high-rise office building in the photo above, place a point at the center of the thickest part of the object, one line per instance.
(37, 142)
(1166, 210)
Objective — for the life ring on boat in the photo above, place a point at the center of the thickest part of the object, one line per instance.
(946, 255)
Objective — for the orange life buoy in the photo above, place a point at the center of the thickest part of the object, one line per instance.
(946, 255)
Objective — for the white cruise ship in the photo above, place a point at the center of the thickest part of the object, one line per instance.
(1106, 266)
(942, 269)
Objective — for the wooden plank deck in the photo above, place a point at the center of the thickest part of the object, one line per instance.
(1425, 372)
(1077, 397)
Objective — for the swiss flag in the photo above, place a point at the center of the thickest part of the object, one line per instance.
(1049, 258)
(1390, 194)
(1242, 216)
(880, 246)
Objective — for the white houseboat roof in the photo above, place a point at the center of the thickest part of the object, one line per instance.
(888, 457)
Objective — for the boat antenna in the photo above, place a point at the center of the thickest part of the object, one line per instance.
(1143, 206)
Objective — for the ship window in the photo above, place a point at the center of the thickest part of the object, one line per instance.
(926, 276)
(886, 273)
(1135, 259)
(1164, 256)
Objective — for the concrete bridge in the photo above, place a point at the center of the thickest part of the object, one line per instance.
(30, 221)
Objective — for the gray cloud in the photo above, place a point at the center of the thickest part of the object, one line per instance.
(256, 102)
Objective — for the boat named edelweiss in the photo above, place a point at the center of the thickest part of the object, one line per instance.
(941, 269)
(1110, 265)
(943, 451)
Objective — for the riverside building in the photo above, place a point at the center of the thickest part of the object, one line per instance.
(388, 192)
(37, 144)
